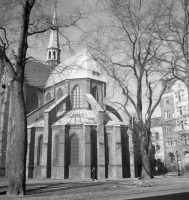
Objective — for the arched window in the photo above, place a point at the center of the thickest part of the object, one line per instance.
(56, 150)
(171, 157)
(54, 54)
(95, 93)
(77, 97)
(49, 55)
(74, 150)
(186, 157)
(48, 97)
(59, 93)
(39, 150)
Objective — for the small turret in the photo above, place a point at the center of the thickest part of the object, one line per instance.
(53, 50)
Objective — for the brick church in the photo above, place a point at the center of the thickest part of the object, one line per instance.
(72, 126)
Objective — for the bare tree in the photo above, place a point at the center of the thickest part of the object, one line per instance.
(21, 20)
(125, 47)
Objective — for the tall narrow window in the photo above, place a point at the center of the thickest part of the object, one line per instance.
(77, 97)
(171, 157)
(74, 150)
(54, 54)
(48, 97)
(56, 150)
(167, 114)
(59, 93)
(39, 150)
(49, 55)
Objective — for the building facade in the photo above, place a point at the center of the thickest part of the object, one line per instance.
(72, 127)
(174, 114)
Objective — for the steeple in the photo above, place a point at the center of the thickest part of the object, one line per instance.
(53, 50)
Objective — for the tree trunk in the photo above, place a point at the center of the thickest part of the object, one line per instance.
(18, 144)
(146, 167)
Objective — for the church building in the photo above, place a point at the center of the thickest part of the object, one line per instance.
(72, 126)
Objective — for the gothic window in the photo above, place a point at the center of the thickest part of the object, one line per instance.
(54, 54)
(59, 93)
(39, 150)
(49, 55)
(56, 150)
(95, 93)
(48, 97)
(77, 97)
(74, 150)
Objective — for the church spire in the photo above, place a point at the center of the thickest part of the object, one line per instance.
(53, 50)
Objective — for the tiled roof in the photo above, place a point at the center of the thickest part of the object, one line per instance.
(80, 65)
(78, 116)
(36, 74)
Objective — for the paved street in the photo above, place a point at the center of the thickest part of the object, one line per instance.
(173, 188)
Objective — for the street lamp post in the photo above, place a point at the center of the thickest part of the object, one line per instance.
(177, 155)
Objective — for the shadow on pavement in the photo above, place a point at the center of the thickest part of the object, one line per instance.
(178, 196)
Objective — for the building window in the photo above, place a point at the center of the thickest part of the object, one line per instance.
(181, 125)
(167, 114)
(166, 101)
(56, 150)
(169, 142)
(54, 54)
(180, 95)
(186, 157)
(74, 150)
(183, 140)
(181, 110)
(77, 97)
(171, 157)
(49, 55)
(167, 128)
(48, 97)
(175, 143)
(59, 93)
(39, 150)
(157, 149)
(157, 136)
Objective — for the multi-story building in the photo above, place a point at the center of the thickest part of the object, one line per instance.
(174, 116)
(158, 144)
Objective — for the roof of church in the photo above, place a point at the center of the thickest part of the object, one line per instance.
(78, 116)
(80, 65)
(36, 74)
